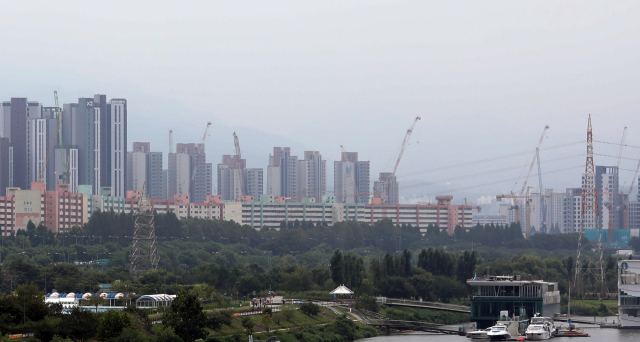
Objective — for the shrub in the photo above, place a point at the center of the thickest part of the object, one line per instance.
(112, 324)
(309, 309)
(367, 303)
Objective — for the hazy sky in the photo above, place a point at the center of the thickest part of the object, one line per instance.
(485, 77)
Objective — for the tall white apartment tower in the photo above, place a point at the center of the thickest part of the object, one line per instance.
(230, 171)
(351, 179)
(312, 176)
(282, 173)
(117, 146)
(609, 202)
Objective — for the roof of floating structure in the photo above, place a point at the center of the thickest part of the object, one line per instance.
(157, 298)
(341, 290)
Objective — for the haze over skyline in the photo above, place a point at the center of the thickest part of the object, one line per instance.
(485, 78)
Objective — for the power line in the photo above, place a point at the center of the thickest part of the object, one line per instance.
(489, 172)
(484, 160)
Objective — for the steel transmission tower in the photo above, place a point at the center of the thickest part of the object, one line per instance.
(144, 252)
(589, 255)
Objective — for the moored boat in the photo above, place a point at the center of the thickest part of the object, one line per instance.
(499, 332)
(477, 334)
(538, 332)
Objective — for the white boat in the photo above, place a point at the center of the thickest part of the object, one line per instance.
(478, 333)
(499, 332)
(538, 332)
(546, 321)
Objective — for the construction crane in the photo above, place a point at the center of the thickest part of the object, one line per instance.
(56, 137)
(404, 143)
(542, 205)
(170, 141)
(193, 174)
(528, 198)
(236, 142)
(524, 185)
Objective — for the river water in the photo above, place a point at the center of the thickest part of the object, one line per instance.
(597, 335)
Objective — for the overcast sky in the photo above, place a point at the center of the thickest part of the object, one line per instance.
(485, 77)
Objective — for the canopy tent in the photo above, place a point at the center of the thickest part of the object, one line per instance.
(341, 290)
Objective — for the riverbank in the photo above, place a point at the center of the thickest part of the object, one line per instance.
(592, 308)
(291, 326)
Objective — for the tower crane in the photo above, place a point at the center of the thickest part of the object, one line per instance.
(515, 205)
(524, 185)
(236, 142)
(193, 174)
(528, 198)
(56, 137)
(402, 148)
(170, 141)
(404, 143)
(542, 204)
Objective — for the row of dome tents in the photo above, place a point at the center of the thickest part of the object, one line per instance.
(112, 301)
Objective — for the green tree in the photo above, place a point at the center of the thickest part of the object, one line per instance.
(80, 324)
(248, 323)
(29, 299)
(367, 303)
(309, 309)
(94, 301)
(266, 321)
(287, 312)
(337, 268)
(113, 324)
(166, 335)
(186, 318)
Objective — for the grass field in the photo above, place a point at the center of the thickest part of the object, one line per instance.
(592, 307)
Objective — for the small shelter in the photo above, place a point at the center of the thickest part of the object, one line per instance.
(341, 291)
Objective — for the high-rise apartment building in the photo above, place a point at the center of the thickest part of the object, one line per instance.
(230, 184)
(23, 124)
(289, 177)
(387, 188)
(351, 179)
(282, 173)
(4, 165)
(116, 146)
(165, 183)
(312, 176)
(254, 182)
(572, 210)
(97, 128)
(144, 166)
(610, 212)
(190, 161)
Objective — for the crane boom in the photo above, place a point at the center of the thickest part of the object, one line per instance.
(236, 142)
(170, 141)
(57, 137)
(624, 137)
(404, 143)
(542, 204)
(193, 174)
(524, 185)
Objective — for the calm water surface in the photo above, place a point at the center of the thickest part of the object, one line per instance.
(597, 335)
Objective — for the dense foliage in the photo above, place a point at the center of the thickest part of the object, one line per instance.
(213, 262)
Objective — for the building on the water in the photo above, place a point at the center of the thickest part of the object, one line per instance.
(629, 293)
(523, 298)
